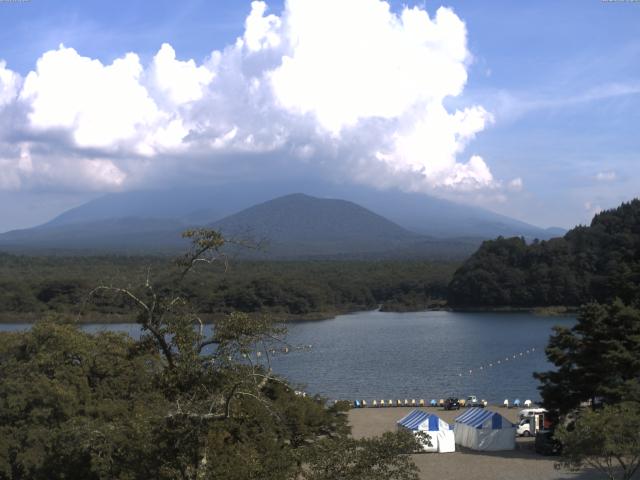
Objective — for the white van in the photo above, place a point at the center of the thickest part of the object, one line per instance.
(531, 420)
(530, 412)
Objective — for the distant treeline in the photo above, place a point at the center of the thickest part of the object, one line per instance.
(595, 263)
(32, 286)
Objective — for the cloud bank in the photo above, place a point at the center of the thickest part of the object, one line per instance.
(346, 90)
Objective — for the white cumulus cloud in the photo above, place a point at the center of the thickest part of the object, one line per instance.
(182, 82)
(350, 89)
(9, 84)
(608, 176)
(515, 184)
(100, 105)
(355, 60)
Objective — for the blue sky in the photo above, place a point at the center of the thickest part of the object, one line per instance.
(558, 83)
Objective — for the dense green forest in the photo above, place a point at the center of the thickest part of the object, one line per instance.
(168, 406)
(33, 286)
(599, 262)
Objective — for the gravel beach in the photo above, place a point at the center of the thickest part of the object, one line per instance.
(520, 464)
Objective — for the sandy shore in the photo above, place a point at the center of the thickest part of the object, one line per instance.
(520, 464)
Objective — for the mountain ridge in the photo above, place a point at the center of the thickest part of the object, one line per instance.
(423, 214)
(297, 225)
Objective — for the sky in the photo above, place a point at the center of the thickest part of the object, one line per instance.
(529, 109)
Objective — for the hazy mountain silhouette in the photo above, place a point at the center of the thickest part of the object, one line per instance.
(364, 222)
(299, 224)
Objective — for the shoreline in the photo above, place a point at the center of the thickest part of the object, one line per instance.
(280, 317)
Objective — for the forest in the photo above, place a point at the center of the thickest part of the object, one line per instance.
(178, 403)
(33, 286)
(599, 262)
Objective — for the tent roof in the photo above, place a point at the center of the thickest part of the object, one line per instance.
(479, 417)
(415, 418)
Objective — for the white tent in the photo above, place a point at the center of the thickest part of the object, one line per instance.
(481, 429)
(439, 431)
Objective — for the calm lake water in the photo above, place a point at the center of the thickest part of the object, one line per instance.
(427, 355)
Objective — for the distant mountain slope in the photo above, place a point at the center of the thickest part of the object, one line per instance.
(294, 226)
(123, 235)
(415, 212)
(300, 224)
(191, 205)
(403, 225)
(442, 218)
(599, 262)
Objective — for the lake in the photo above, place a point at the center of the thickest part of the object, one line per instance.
(373, 354)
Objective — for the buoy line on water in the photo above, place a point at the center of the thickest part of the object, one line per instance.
(501, 361)
(281, 350)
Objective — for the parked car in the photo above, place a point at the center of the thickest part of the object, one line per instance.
(546, 444)
(451, 404)
(472, 401)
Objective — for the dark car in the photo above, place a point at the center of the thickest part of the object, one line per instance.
(546, 444)
(451, 404)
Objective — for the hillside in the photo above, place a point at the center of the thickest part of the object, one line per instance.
(419, 213)
(299, 224)
(596, 262)
(294, 227)
(377, 225)
(129, 235)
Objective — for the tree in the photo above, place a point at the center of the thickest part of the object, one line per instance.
(189, 400)
(606, 440)
(383, 458)
(600, 262)
(74, 405)
(597, 360)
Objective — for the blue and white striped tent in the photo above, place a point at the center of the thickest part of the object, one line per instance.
(481, 429)
(440, 432)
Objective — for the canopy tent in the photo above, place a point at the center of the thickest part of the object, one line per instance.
(439, 431)
(481, 429)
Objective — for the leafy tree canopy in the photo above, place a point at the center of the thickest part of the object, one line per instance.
(597, 360)
(187, 401)
(606, 440)
(600, 262)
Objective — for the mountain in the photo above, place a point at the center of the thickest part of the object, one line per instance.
(294, 226)
(365, 222)
(301, 225)
(415, 212)
(556, 231)
(123, 235)
(600, 262)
